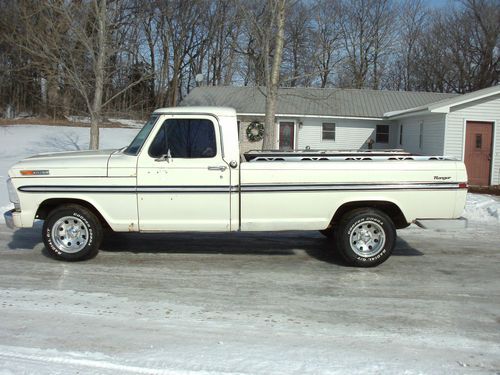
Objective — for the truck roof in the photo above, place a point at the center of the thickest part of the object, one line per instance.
(217, 111)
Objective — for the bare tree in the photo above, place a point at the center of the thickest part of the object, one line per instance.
(75, 42)
(106, 56)
(460, 59)
(296, 65)
(412, 26)
(253, 41)
(326, 39)
(484, 39)
(273, 73)
(366, 29)
(264, 48)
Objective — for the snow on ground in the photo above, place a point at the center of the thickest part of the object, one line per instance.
(250, 303)
(482, 208)
(81, 119)
(20, 141)
(126, 122)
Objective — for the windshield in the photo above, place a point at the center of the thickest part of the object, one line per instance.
(135, 146)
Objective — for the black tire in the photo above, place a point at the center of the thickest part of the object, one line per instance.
(92, 233)
(375, 230)
(328, 233)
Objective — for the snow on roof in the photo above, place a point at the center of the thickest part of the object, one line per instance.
(443, 106)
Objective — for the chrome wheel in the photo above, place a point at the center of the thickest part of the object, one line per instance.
(70, 234)
(367, 239)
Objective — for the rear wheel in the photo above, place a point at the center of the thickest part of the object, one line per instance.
(72, 233)
(365, 237)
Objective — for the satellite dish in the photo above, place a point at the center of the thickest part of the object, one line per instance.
(199, 78)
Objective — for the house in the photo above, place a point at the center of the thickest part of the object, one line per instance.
(460, 126)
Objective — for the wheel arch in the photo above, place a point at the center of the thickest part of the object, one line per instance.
(391, 209)
(48, 205)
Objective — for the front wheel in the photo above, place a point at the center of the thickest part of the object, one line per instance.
(365, 237)
(72, 233)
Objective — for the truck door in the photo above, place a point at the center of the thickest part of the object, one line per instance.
(183, 183)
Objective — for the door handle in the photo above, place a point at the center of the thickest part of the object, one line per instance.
(220, 168)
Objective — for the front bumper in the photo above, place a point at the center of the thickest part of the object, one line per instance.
(12, 219)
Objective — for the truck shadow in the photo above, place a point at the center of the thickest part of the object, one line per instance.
(25, 238)
(265, 244)
(206, 243)
(274, 244)
(270, 244)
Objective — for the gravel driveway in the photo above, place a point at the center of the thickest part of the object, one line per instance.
(276, 303)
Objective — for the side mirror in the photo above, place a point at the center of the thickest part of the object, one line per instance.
(165, 157)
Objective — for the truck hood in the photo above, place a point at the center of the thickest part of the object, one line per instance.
(67, 164)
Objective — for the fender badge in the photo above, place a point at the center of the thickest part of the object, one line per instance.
(39, 172)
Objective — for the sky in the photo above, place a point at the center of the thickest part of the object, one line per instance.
(436, 3)
(439, 3)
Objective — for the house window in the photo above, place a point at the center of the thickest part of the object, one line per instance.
(328, 133)
(421, 136)
(382, 135)
(401, 134)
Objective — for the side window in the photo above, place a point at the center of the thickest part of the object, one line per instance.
(185, 138)
(328, 131)
(382, 134)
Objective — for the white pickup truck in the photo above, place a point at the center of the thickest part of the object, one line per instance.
(184, 172)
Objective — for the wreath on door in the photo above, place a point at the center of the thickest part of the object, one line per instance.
(255, 131)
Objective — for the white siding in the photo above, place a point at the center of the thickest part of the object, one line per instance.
(482, 110)
(349, 134)
(433, 134)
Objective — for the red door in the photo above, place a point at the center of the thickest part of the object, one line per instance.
(287, 136)
(478, 149)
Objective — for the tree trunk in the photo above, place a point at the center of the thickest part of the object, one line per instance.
(95, 113)
(269, 142)
(52, 96)
(94, 131)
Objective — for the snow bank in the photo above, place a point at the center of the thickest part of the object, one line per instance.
(128, 122)
(482, 208)
(80, 119)
(125, 122)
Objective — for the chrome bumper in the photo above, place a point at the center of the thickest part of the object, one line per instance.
(9, 219)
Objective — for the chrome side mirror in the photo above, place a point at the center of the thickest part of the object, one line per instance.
(165, 157)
